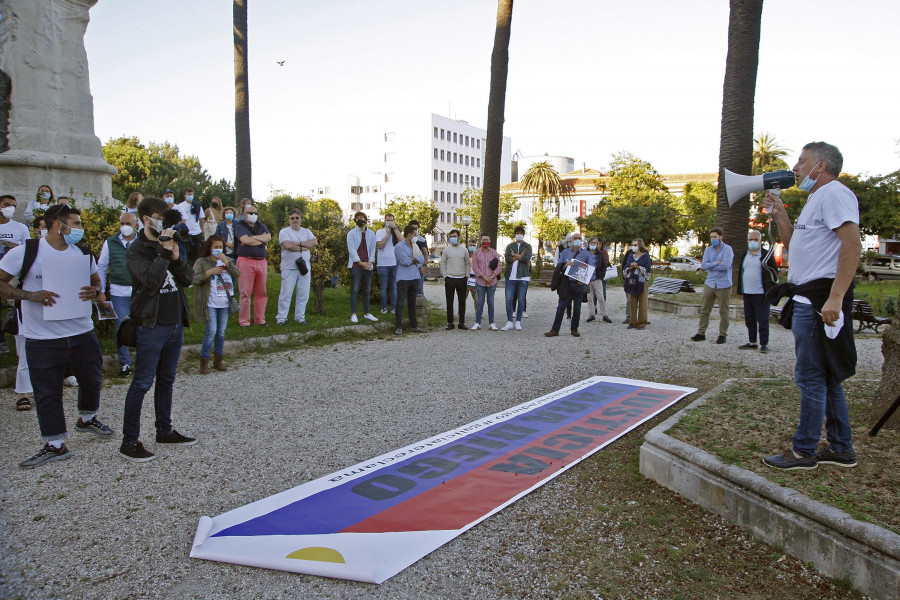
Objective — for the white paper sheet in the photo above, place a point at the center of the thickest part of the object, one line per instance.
(66, 274)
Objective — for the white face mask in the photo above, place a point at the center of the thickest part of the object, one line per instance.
(634, 248)
(520, 237)
(43, 232)
(9, 212)
(155, 224)
(127, 230)
(252, 218)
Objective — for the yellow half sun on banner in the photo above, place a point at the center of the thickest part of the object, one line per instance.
(317, 553)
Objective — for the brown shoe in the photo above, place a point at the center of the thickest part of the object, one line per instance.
(218, 364)
(204, 366)
(576, 334)
(551, 334)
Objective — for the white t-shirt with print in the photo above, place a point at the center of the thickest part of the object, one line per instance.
(814, 248)
(13, 232)
(190, 219)
(34, 326)
(289, 257)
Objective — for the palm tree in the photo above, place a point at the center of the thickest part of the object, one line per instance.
(243, 175)
(768, 154)
(490, 205)
(736, 137)
(542, 180)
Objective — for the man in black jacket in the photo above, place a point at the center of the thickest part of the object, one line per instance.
(159, 304)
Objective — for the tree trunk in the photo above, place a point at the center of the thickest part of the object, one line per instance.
(490, 204)
(889, 387)
(243, 172)
(319, 294)
(736, 137)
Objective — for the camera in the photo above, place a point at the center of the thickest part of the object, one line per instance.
(171, 218)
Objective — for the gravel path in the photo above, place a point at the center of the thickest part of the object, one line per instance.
(96, 526)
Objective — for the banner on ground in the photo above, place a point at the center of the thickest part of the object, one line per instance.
(374, 519)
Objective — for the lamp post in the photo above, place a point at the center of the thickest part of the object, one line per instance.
(466, 221)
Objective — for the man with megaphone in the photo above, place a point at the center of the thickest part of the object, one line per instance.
(824, 250)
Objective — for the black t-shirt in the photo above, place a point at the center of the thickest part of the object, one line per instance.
(170, 305)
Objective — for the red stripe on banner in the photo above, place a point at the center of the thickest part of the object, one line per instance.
(465, 499)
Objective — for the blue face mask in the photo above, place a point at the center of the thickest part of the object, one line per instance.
(576, 244)
(471, 248)
(229, 217)
(216, 251)
(753, 245)
(189, 198)
(454, 241)
(74, 236)
(714, 242)
(169, 200)
(807, 183)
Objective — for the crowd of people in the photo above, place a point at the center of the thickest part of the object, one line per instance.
(162, 248)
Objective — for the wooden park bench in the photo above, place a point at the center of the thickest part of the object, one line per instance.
(669, 285)
(862, 312)
(432, 273)
(546, 275)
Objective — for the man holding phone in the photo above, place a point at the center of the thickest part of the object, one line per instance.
(385, 240)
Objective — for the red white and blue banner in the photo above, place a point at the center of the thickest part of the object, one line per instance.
(374, 519)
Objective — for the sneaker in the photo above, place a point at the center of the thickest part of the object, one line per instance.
(370, 317)
(590, 318)
(450, 326)
(398, 331)
(93, 426)
(476, 327)
(47, 454)
(720, 339)
(384, 311)
(551, 333)
(494, 327)
(764, 349)
(71, 381)
(280, 323)
(788, 461)
(509, 325)
(175, 438)
(135, 452)
(524, 315)
(125, 371)
(353, 319)
(302, 322)
(698, 338)
(826, 456)
(747, 347)
(418, 330)
(607, 319)
(518, 325)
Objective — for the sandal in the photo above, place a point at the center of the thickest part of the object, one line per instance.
(23, 404)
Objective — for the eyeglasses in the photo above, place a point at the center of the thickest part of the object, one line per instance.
(295, 218)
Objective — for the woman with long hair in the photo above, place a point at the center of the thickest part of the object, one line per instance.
(38, 205)
(134, 198)
(214, 277)
(637, 283)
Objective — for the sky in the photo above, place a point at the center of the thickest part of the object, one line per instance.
(587, 78)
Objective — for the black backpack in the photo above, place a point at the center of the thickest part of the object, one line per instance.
(11, 325)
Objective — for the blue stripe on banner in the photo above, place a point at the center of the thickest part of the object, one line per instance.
(344, 505)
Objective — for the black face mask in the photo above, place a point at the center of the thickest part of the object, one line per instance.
(360, 222)
(215, 205)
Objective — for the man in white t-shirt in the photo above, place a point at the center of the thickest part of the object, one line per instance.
(193, 216)
(12, 234)
(55, 341)
(296, 242)
(824, 251)
(385, 239)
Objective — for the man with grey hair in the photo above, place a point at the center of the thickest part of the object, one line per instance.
(824, 246)
(757, 276)
(296, 242)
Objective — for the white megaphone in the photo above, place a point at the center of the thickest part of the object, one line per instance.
(738, 186)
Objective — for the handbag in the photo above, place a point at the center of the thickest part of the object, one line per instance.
(11, 322)
(126, 334)
(233, 306)
(301, 266)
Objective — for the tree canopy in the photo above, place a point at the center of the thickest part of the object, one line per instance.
(471, 206)
(768, 155)
(409, 208)
(699, 201)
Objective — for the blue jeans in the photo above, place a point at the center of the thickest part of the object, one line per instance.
(387, 279)
(360, 279)
(47, 362)
(122, 306)
(821, 398)
(482, 292)
(215, 329)
(158, 350)
(514, 289)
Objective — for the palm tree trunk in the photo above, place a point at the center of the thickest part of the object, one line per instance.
(736, 138)
(490, 204)
(243, 172)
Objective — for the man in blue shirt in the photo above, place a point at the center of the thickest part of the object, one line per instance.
(570, 289)
(409, 259)
(717, 262)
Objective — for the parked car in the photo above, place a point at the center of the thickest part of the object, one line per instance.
(684, 263)
(882, 267)
(659, 264)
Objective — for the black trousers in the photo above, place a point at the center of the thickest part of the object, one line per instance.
(406, 290)
(455, 285)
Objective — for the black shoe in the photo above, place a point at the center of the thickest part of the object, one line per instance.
(175, 438)
(747, 347)
(125, 371)
(607, 320)
(720, 339)
(551, 333)
(590, 318)
(450, 326)
(576, 334)
(626, 322)
(93, 426)
(47, 454)
(135, 452)
(630, 327)
(827, 456)
(764, 349)
(788, 461)
(698, 338)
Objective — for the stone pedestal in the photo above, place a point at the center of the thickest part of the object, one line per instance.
(46, 108)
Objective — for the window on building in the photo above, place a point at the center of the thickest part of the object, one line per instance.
(454, 178)
(435, 195)
(467, 180)
(442, 155)
(442, 196)
(435, 132)
(442, 134)
(368, 206)
(389, 136)
(368, 189)
(435, 174)
(467, 160)
(454, 138)
(388, 157)
(357, 189)
(467, 140)
(435, 153)
(454, 197)
(478, 162)
(478, 144)
(374, 189)
(442, 175)
(454, 157)
(478, 182)
(327, 190)
(388, 177)
(442, 217)
(356, 206)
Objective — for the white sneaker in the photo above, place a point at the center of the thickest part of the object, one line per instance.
(494, 327)
(508, 326)
(71, 381)
(475, 327)
(353, 318)
(524, 315)
(370, 317)
(519, 325)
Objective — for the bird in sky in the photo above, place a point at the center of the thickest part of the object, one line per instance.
(280, 63)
